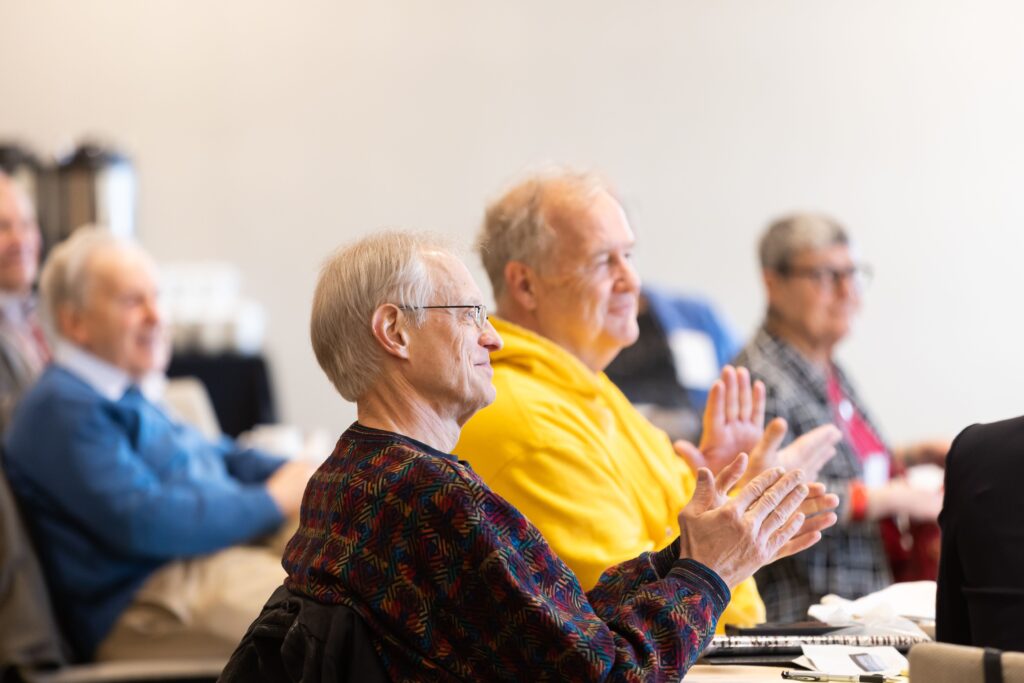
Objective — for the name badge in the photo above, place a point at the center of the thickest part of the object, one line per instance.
(695, 359)
(876, 470)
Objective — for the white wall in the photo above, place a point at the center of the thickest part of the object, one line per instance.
(267, 133)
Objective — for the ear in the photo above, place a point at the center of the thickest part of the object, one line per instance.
(389, 328)
(69, 324)
(521, 284)
(772, 282)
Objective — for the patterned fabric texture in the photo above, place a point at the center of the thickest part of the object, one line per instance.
(849, 560)
(456, 584)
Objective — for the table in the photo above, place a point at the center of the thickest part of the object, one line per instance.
(706, 673)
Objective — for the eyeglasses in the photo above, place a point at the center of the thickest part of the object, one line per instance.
(476, 312)
(832, 278)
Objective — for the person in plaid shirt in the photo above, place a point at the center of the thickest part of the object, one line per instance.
(814, 288)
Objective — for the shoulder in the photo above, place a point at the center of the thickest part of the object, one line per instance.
(58, 408)
(57, 394)
(767, 364)
(981, 444)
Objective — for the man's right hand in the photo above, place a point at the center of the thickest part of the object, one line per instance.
(287, 484)
(736, 537)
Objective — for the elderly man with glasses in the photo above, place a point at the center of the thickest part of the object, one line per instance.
(814, 290)
(451, 581)
(561, 442)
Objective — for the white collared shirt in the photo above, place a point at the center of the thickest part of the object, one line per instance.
(108, 380)
(14, 306)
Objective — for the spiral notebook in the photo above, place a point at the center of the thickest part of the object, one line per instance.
(782, 649)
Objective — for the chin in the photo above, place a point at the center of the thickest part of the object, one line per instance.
(625, 333)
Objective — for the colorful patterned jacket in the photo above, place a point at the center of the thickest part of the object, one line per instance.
(455, 584)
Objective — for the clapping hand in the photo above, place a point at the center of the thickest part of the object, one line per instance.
(773, 516)
(733, 421)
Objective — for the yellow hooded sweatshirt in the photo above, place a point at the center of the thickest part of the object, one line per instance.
(567, 448)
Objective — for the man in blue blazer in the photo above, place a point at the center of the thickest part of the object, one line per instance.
(135, 515)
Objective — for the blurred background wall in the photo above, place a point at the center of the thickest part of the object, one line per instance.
(268, 133)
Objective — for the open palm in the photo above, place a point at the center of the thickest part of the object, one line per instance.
(733, 421)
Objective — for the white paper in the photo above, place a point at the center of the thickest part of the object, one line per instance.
(848, 660)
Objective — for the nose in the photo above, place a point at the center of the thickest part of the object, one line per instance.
(629, 278)
(153, 311)
(845, 285)
(489, 337)
(20, 233)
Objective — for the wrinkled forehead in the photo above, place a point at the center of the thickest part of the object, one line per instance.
(119, 267)
(450, 278)
(588, 224)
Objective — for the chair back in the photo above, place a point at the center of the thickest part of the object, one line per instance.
(29, 636)
(296, 638)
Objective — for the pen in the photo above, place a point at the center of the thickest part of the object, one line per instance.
(820, 676)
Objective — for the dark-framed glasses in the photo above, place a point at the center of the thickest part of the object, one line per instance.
(831, 278)
(476, 312)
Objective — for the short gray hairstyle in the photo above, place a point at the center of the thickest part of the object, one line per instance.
(517, 226)
(788, 235)
(66, 278)
(387, 267)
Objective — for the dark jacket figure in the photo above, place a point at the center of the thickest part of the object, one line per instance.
(981, 573)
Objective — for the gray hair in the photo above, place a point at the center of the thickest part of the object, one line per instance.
(517, 226)
(791, 234)
(387, 267)
(66, 278)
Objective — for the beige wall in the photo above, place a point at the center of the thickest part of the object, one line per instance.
(267, 133)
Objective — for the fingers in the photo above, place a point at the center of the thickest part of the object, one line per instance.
(759, 402)
(714, 410)
(825, 434)
(756, 488)
(817, 523)
(773, 435)
(816, 503)
(789, 507)
(808, 534)
(732, 473)
(776, 495)
(704, 494)
(691, 454)
(746, 397)
(811, 450)
(796, 544)
(732, 399)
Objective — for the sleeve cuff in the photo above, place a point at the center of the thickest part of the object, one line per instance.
(666, 558)
(704, 581)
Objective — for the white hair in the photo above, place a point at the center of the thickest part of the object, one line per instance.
(66, 278)
(517, 226)
(387, 267)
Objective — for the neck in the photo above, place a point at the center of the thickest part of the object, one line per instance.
(817, 352)
(397, 408)
(596, 362)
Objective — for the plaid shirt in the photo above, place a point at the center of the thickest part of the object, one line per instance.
(849, 560)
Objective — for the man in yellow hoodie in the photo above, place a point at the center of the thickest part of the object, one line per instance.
(561, 442)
